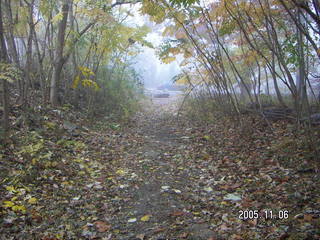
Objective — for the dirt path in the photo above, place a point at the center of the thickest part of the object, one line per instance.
(157, 206)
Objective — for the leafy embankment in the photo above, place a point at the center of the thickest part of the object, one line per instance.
(49, 172)
(157, 178)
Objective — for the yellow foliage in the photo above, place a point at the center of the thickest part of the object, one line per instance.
(11, 189)
(14, 199)
(76, 82)
(34, 161)
(174, 51)
(85, 73)
(19, 208)
(120, 172)
(183, 80)
(50, 125)
(187, 54)
(131, 53)
(9, 73)
(169, 31)
(145, 218)
(184, 62)
(7, 204)
(45, 8)
(21, 27)
(156, 12)
(180, 17)
(168, 60)
(91, 84)
(57, 18)
(33, 200)
(16, 208)
(250, 57)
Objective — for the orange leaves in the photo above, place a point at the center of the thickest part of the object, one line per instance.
(231, 187)
(102, 226)
(177, 213)
(180, 34)
(174, 51)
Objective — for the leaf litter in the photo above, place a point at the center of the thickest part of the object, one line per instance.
(192, 184)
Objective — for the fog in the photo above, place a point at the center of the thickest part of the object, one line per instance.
(153, 72)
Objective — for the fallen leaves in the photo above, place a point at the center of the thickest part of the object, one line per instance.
(102, 226)
(145, 218)
(308, 217)
(8, 204)
(141, 236)
(104, 186)
(132, 220)
(208, 189)
(14, 206)
(183, 235)
(231, 186)
(120, 172)
(232, 197)
(19, 208)
(177, 213)
(32, 200)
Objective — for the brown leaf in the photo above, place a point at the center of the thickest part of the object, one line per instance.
(36, 216)
(183, 235)
(224, 227)
(246, 203)
(206, 156)
(159, 230)
(253, 222)
(284, 236)
(177, 213)
(141, 236)
(307, 217)
(236, 237)
(102, 226)
(231, 187)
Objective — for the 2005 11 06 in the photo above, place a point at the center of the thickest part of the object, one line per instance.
(266, 214)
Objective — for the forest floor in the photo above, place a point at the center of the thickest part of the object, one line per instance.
(160, 177)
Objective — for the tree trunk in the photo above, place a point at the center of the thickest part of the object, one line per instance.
(275, 82)
(5, 97)
(267, 81)
(12, 48)
(59, 59)
(28, 67)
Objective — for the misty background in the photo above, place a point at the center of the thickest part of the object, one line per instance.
(153, 72)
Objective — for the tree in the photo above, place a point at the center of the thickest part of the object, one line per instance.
(59, 59)
(4, 60)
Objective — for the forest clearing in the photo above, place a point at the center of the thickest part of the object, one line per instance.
(170, 119)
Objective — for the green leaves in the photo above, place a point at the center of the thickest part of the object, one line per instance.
(57, 18)
(227, 27)
(184, 3)
(170, 48)
(9, 73)
(155, 9)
